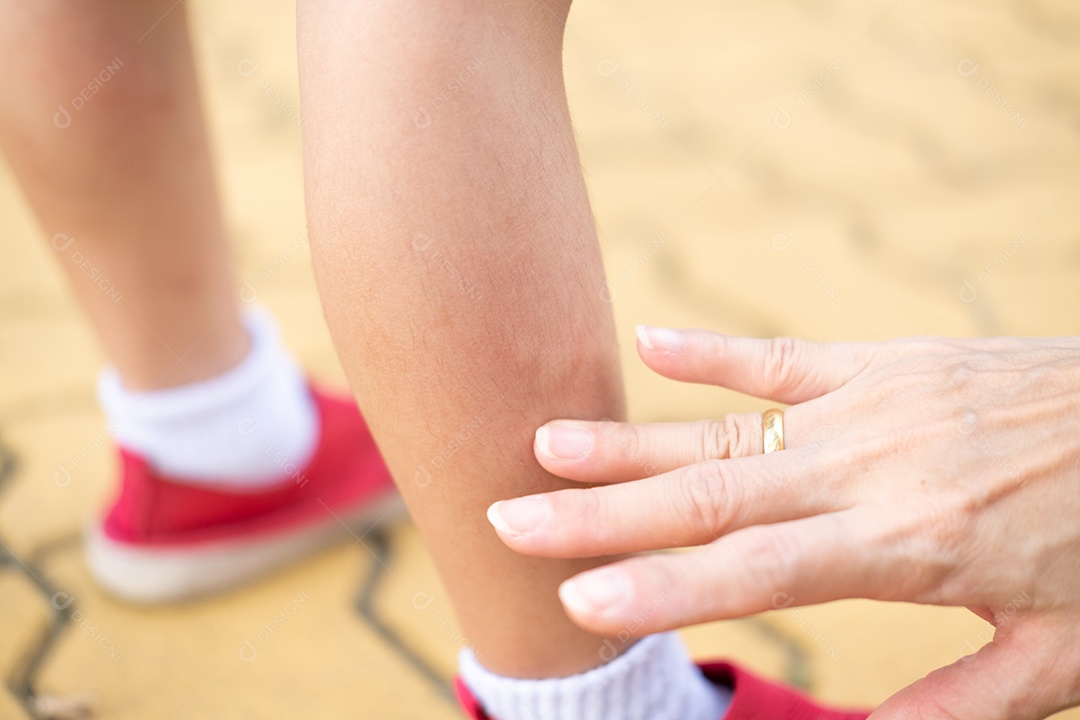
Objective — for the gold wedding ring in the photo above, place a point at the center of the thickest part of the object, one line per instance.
(772, 429)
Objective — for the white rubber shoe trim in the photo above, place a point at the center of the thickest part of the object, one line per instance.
(148, 574)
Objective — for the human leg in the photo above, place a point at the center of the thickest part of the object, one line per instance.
(100, 113)
(101, 118)
(461, 277)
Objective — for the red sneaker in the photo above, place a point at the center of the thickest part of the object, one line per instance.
(752, 698)
(166, 539)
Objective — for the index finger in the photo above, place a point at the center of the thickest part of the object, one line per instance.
(783, 369)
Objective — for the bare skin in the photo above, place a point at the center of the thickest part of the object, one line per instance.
(100, 115)
(461, 277)
(455, 243)
(450, 265)
(924, 470)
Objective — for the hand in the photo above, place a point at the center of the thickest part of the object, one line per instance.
(925, 470)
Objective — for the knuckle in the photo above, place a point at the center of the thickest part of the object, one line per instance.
(636, 443)
(578, 520)
(781, 360)
(739, 441)
(663, 594)
(658, 577)
(632, 443)
(720, 439)
(607, 431)
(771, 554)
(709, 440)
(703, 491)
(586, 506)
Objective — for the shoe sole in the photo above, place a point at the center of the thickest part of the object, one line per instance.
(149, 574)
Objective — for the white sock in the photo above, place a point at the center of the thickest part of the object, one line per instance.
(653, 680)
(253, 425)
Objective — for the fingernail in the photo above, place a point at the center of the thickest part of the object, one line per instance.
(661, 339)
(563, 441)
(519, 516)
(597, 592)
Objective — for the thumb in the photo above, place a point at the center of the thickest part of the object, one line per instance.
(1000, 682)
(782, 369)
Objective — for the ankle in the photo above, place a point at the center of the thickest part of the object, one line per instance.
(246, 426)
(653, 679)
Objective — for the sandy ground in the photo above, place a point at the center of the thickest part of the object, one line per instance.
(824, 169)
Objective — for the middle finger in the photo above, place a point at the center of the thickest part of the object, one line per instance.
(688, 506)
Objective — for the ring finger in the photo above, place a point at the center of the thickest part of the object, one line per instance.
(608, 451)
